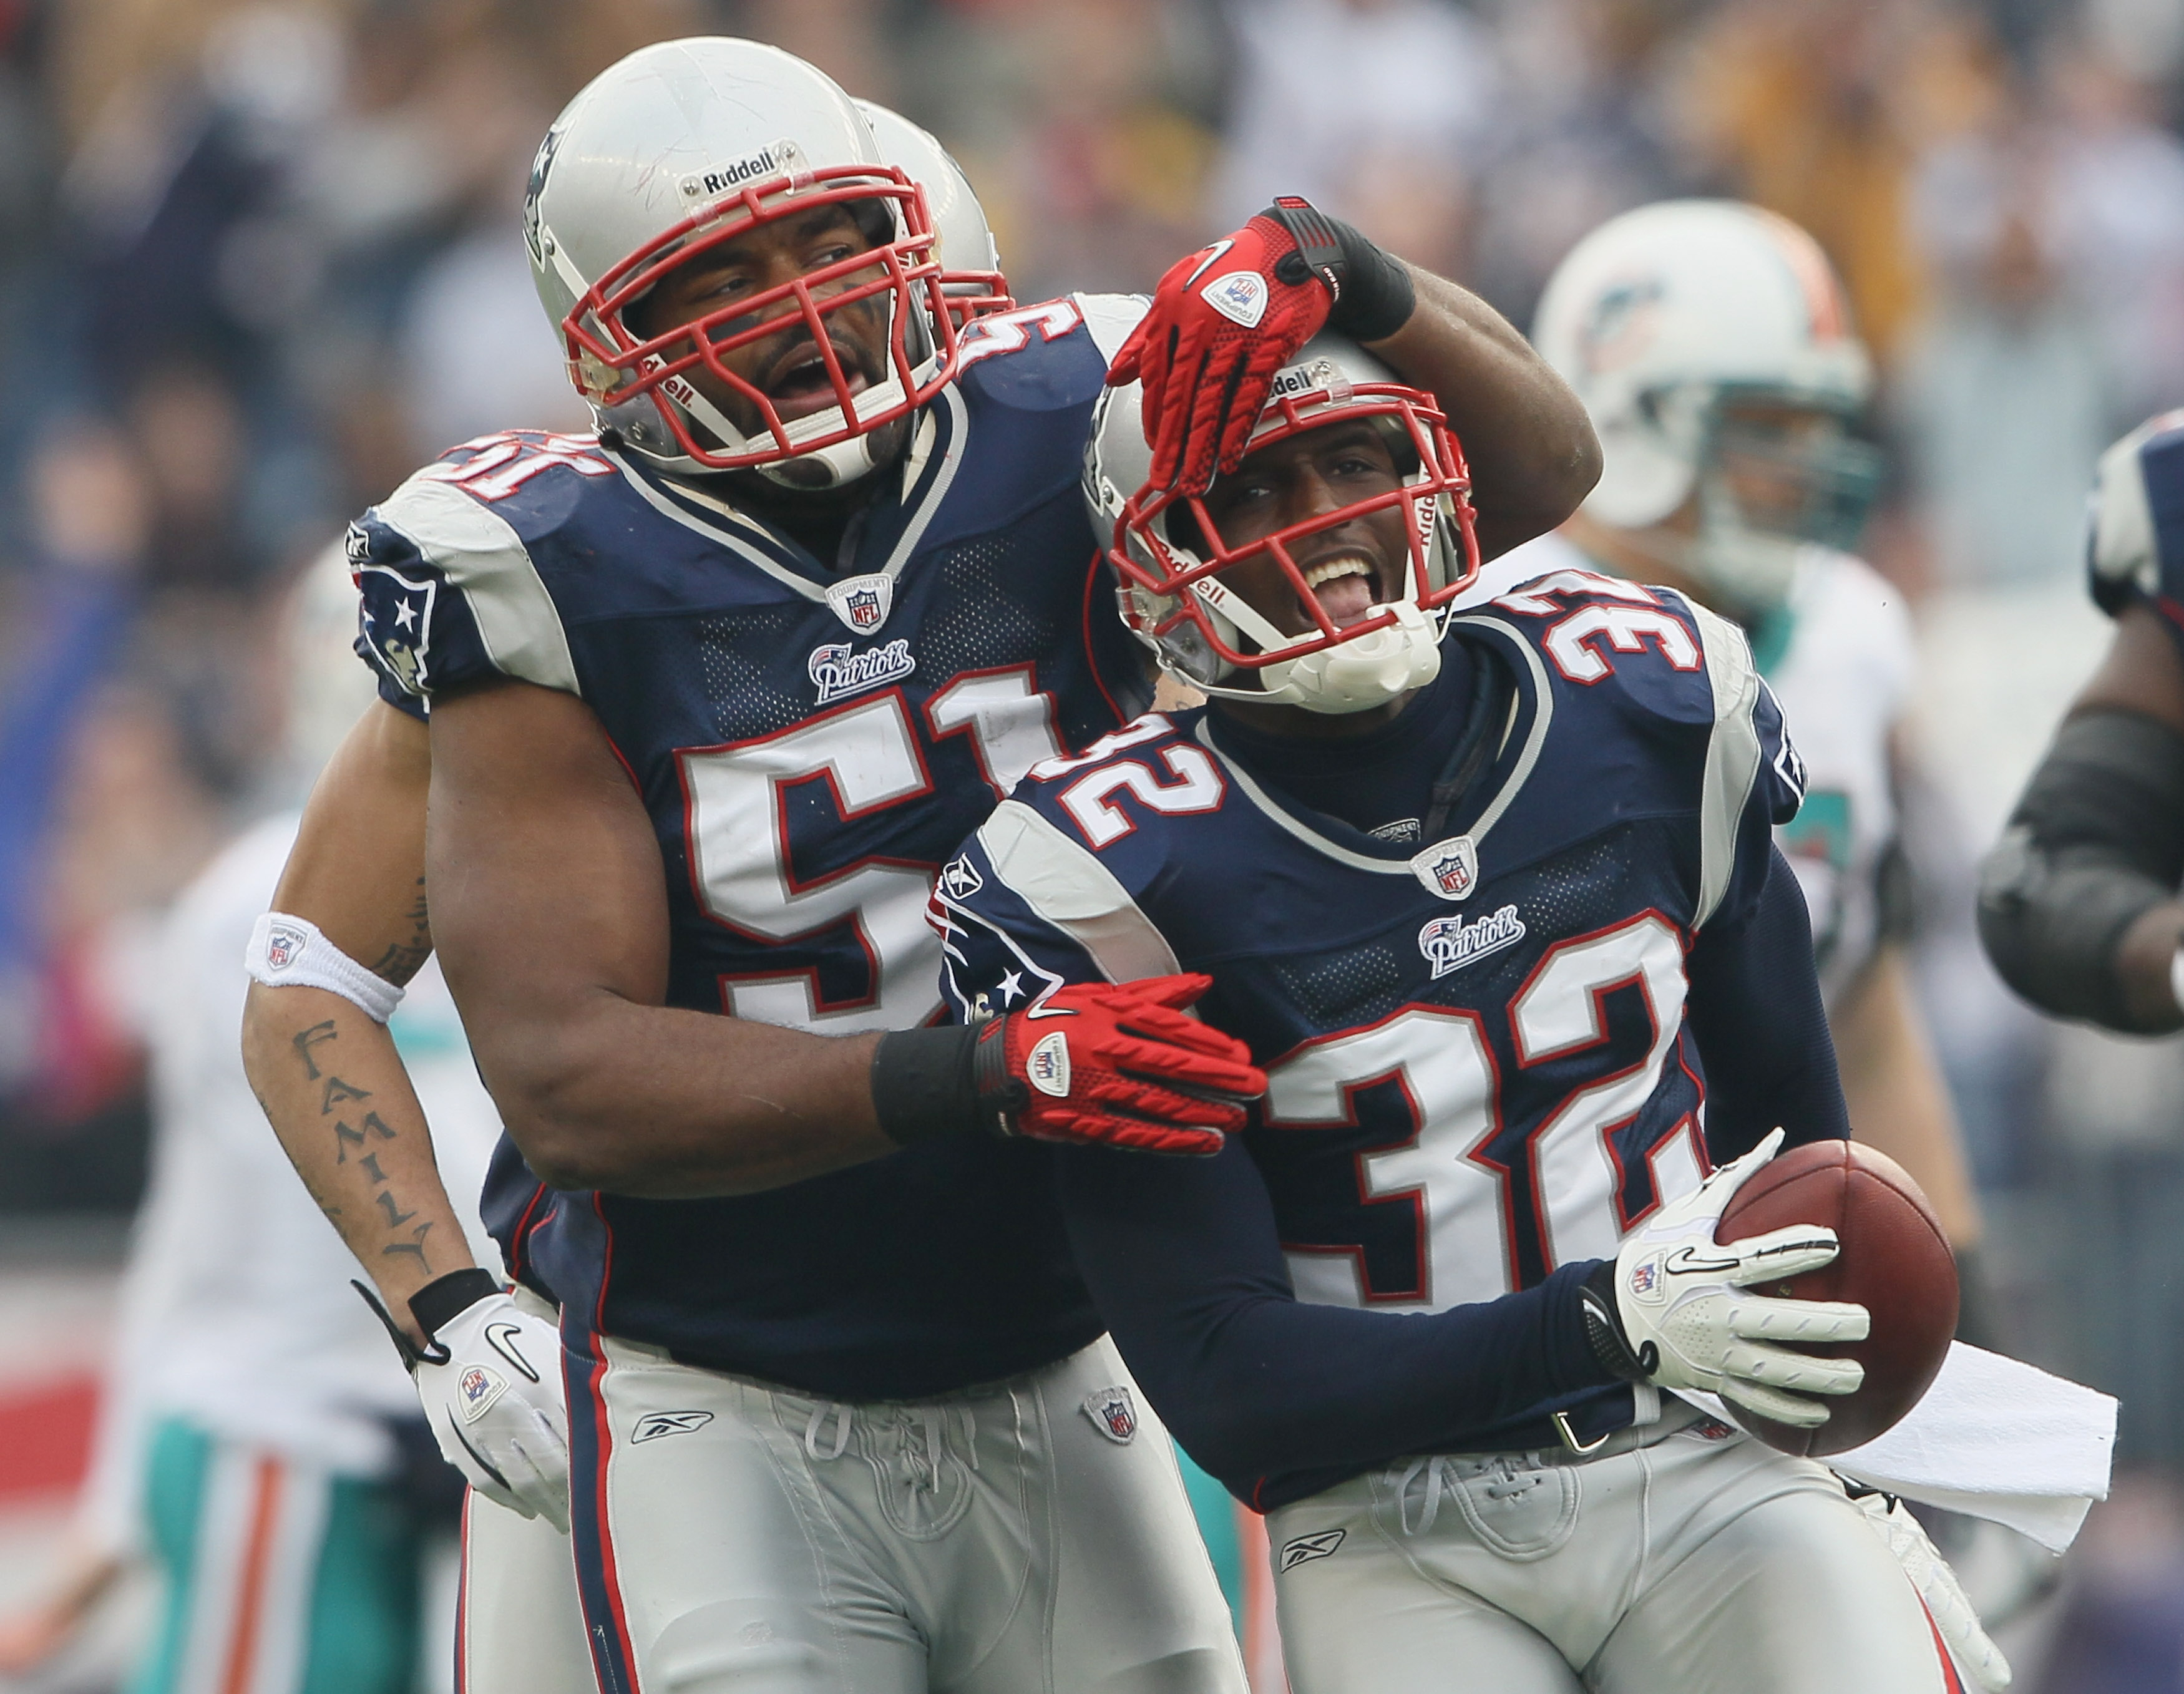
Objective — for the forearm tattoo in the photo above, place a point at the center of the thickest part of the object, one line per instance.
(356, 1129)
(405, 959)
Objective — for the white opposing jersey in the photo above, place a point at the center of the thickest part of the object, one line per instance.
(1839, 657)
(235, 1308)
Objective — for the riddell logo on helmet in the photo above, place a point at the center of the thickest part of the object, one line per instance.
(1297, 380)
(771, 161)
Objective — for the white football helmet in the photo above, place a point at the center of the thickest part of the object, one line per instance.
(1664, 317)
(677, 149)
(1170, 557)
(971, 263)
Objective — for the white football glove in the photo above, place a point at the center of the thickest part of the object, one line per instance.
(491, 1386)
(1952, 1614)
(1682, 1318)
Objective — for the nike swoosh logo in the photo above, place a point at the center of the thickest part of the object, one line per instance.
(1206, 264)
(502, 1337)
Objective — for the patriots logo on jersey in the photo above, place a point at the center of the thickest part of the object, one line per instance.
(1113, 1414)
(397, 624)
(1449, 868)
(1450, 943)
(840, 671)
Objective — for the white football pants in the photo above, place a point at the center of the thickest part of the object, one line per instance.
(519, 1623)
(1027, 1537)
(1697, 1561)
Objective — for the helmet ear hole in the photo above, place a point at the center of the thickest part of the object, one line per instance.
(1181, 529)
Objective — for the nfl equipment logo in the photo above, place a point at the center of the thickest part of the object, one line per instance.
(1642, 1279)
(1241, 297)
(1046, 1067)
(863, 602)
(282, 944)
(1113, 1414)
(1448, 869)
(479, 1388)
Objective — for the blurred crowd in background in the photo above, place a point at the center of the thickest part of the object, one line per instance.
(257, 261)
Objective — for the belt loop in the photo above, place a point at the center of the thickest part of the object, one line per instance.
(819, 1413)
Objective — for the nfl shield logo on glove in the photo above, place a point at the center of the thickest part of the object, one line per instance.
(1047, 1065)
(479, 1387)
(1113, 1414)
(1241, 297)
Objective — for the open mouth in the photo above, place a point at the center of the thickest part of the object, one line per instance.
(801, 386)
(1346, 585)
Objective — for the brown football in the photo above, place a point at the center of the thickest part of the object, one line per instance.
(1895, 1262)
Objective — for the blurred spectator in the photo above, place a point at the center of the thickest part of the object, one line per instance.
(1375, 110)
(1579, 134)
(1819, 111)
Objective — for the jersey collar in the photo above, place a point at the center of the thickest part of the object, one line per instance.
(894, 524)
(1523, 732)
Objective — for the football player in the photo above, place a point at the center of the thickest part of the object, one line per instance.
(357, 880)
(2078, 902)
(814, 596)
(1501, 916)
(1711, 345)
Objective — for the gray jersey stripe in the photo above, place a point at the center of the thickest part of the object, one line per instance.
(480, 555)
(1065, 884)
(1732, 754)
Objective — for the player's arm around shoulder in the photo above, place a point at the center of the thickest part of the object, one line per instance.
(1531, 448)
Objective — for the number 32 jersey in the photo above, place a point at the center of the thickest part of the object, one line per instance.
(811, 745)
(1477, 1061)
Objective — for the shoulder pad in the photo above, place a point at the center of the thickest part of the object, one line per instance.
(2136, 550)
(1148, 766)
(450, 593)
(1644, 643)
(1041, 357)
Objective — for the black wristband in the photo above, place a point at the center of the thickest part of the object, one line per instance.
(926, 1085)
(447, 1297)
(1603, 1326)
(1372, 291)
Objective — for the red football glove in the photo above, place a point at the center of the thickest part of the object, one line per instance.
(1120, 1064)
(1221, 322)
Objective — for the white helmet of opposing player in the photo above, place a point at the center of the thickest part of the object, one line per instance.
(1171, 557)
(971, 262)
(1672, 321)
(668, 154)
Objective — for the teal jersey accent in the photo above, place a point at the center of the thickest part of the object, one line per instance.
(1216, 1509)
(361, 1609)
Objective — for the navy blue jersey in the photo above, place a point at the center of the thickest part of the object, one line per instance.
(2135, 554)
(1480, 1062)
(812, 743)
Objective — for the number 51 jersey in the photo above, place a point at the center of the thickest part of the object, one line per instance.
(811, 745)
(1477, 1056)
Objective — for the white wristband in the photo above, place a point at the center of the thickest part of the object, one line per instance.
(289, 952)
(2176, 977)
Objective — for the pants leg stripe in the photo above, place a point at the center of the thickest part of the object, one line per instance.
(591, 1441)
(463, 1601)
(250, 1588)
